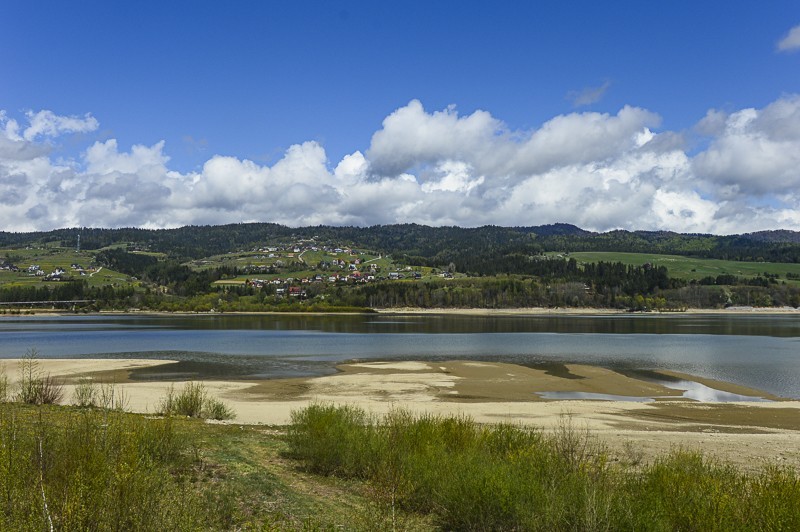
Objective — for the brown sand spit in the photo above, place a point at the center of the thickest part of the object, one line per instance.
(745, 433)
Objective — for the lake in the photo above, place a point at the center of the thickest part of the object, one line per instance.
(759, 351)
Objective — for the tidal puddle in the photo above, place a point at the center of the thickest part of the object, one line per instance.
(691, 390)
(706, 394)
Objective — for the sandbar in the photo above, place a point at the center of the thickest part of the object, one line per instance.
(745, 433)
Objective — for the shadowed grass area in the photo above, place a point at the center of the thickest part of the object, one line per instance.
(474, 477)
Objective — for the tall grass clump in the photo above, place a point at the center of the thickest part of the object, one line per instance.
(774, 499)
(63, 469)
(216, 409)
(112, 397)
(4, 395)
(332, 439)
(35, 386)
(85, 393)
(685, 490)
(468, 476)
(193, 401)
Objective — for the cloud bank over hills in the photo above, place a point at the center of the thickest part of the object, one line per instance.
(735, 171)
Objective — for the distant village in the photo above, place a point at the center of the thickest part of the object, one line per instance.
(57, 274)
(333, 269)
(287, 270)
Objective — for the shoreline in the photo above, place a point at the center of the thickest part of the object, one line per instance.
(488, 392)
(523, 311)
(588, 311)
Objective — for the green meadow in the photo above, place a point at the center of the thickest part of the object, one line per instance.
(50, 257)
(689, 267)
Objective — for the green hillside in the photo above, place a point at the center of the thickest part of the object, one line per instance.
(691, 267)
(352, 268)
(50, 257)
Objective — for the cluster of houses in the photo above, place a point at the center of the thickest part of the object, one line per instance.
(290, 282)
(80, 270)
(352, 266)
(289, 286)
(58, 273)
(37, 271)
(8, 267)
(344, 265)
(302, 246)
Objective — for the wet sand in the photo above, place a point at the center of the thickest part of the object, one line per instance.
(747, 434)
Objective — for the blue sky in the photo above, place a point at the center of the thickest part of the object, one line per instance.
(679, 115)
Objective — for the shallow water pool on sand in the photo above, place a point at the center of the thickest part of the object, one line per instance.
(691, 390)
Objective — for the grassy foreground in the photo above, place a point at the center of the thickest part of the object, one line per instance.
(467, 476)
(69, 468)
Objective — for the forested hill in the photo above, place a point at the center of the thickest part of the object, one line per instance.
(466, 247)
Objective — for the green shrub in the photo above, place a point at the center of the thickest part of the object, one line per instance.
(216, 409)
(332, 440)
(687, 491)
(774, 497)
(189, 402)
(85, 394)
(469, 476)
(193, 401)
(473, 477)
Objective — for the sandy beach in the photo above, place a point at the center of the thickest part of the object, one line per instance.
(746, 433)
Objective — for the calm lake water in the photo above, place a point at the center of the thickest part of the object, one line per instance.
(762, 352)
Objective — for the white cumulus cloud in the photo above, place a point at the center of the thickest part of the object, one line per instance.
(49, 124)
(756, 151)
(412, 137)
(597, 170)
(791, 41)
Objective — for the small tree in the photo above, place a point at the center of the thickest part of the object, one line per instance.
(36, 388)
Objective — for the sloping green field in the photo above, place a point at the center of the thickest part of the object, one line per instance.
(692, 268)
(49, 258)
